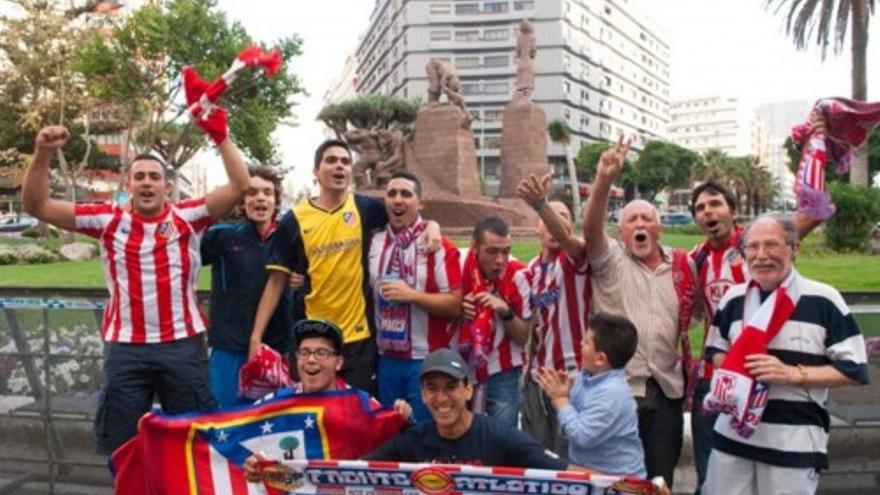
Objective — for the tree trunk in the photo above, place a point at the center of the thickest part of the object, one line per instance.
(575, 187)
(859, 172)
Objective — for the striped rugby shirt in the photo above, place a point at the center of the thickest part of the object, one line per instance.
(151, 266)
(793, 431)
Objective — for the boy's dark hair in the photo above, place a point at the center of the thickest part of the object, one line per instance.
(715, 188)
(268, 174)
(319, 153)
(616, 336)
(406, 174)
(494, 225)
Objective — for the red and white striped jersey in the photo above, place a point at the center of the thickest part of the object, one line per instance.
(719, 270)
(560, 300)
(432, 273)
(151, 267)
(506, 354)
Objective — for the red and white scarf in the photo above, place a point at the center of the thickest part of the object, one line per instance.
(400, 242)
(686, 292)
(475, 337)
(733, 390)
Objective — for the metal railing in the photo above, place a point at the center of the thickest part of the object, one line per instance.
(47, 334)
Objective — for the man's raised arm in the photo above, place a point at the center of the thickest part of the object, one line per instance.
(226, 197)
(534, 192)
(609, 167)
(35, 198)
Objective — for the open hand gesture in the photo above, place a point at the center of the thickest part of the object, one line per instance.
(555, 383)
(612, 160)
(51, 138)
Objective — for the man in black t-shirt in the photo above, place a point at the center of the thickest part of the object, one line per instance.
(456, 435)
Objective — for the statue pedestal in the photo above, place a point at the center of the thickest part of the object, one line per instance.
(523, 145)
(443, 151)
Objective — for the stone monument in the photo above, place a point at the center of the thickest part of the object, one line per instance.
(443, 156)
(524, 124)
(443, 148)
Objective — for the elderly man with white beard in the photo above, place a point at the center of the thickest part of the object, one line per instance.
(634, 277)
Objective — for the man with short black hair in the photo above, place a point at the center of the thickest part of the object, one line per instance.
(456, 435)
(150, 252)
(496, 312)
(416, 293)
(327, 238)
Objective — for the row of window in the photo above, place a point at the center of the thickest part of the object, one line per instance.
(487, 7)
(488, 34)
(488, 61)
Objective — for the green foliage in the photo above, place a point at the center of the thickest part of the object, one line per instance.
(559, 131)
(370, 112)
(751, 184)
(30, 233)
(41, 85)
(138, 70)
(587, 158)
(662, 164)
(857, 209)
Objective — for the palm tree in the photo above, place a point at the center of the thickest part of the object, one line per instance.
(561, 134)
(712, 166)
(829, 19)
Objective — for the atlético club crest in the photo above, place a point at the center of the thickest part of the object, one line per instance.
(166, 229)
(348, 217)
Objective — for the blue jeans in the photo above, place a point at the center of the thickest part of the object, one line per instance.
(224, 365)
(399, 379)
(503, 396)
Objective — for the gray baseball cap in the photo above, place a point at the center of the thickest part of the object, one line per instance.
(446, 361)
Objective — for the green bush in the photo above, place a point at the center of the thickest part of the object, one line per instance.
(857, 209)
(7, 255)
(30, 233)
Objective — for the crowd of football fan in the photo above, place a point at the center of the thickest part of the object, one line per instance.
(578, 359)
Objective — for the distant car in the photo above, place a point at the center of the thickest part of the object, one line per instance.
(17, 223)
(676, 218)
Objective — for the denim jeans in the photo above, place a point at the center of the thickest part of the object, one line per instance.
(503, 396)
(400, 379)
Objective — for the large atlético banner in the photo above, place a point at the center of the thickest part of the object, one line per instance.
(387, 478)
(202, 453)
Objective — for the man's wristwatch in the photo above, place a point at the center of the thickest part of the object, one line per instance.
(507, 315)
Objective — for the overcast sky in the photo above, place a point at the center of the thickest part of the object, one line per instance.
(719, 47)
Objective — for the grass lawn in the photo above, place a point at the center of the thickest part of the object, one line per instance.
(846, 272)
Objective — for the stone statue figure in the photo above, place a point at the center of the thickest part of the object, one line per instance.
(366, 145)
(442, 79)
(380, 154)
(391, 148)
(526, 49)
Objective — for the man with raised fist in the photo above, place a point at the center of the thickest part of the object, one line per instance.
(150, 251)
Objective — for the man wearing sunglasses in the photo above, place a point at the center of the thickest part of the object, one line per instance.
(326, 239)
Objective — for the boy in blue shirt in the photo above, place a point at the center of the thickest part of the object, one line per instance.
(596, 409)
